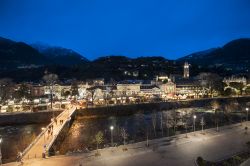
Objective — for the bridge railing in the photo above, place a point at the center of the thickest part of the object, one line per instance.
(62, 126)
(38, 137)
(35, 141)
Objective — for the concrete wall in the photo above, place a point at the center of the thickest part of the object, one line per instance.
(120, 110)
(26, 117)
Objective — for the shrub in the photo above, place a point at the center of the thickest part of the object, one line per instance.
(200, 161)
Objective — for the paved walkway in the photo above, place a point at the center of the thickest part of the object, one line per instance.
(172, 151)
(46, 138)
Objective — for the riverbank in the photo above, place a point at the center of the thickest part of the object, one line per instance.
(177, 150)
(21, 118)
(129, 109)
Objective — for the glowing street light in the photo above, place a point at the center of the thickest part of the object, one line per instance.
(194, 122)
(111, 130)
(1, 151)
(247, 109)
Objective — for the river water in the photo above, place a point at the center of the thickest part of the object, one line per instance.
(138, 127)
(16, 139)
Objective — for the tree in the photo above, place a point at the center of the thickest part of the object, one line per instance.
(154, 118)
(247, 90)
(65, 93)
(215, 104)
(98, 139)
(74, 89)
(238, 86)
(50, 80)
(6, 88)
(203, 123)
(161, 119)
(92, 94)
(23, 92)
(211, 81)
(229, 91)
(124, 135)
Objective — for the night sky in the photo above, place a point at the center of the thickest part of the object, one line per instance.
(94, 28)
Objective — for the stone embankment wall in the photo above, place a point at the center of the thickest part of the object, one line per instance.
(26, 117)
(120, 110)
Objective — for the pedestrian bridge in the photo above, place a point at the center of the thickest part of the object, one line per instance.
(47, 137)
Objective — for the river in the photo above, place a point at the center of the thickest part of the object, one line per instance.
(138, 127)
(17, 138)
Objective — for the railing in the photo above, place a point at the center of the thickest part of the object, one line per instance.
(35, 141)
(44, 131)
(62, 126)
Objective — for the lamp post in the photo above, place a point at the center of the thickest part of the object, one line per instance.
(247, 109)
(111, 131)
(1, 151)
(202, 125)
(194, 122)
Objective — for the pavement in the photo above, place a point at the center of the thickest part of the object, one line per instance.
(46, 138)
(175, 151)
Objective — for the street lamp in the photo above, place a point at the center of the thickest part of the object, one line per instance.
(194, 122)
(111, 130)
(247, 109)
(0, 151)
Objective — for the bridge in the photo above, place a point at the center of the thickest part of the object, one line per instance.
(47, 137)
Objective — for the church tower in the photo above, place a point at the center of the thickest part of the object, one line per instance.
(186, 70)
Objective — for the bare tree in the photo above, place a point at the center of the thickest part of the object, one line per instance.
(124, 135)
(161, 119)
(50, 80)
(215, 104)
(167, 124)
(92, 94)
(6, 88)
(98, 140)
(154, 118)
(173, 121)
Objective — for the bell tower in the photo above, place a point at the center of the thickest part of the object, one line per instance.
(186, 70)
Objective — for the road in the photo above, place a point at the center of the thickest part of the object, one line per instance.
(176, 151)
(47, 137)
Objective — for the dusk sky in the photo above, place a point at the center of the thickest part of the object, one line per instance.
(94, 28)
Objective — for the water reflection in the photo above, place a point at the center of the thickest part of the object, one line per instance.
(17, 138)
(139, 127)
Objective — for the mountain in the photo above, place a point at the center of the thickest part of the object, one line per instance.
(18, 54)
(23, 62)
(233, 56)
(59, 55)
(121, 67)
